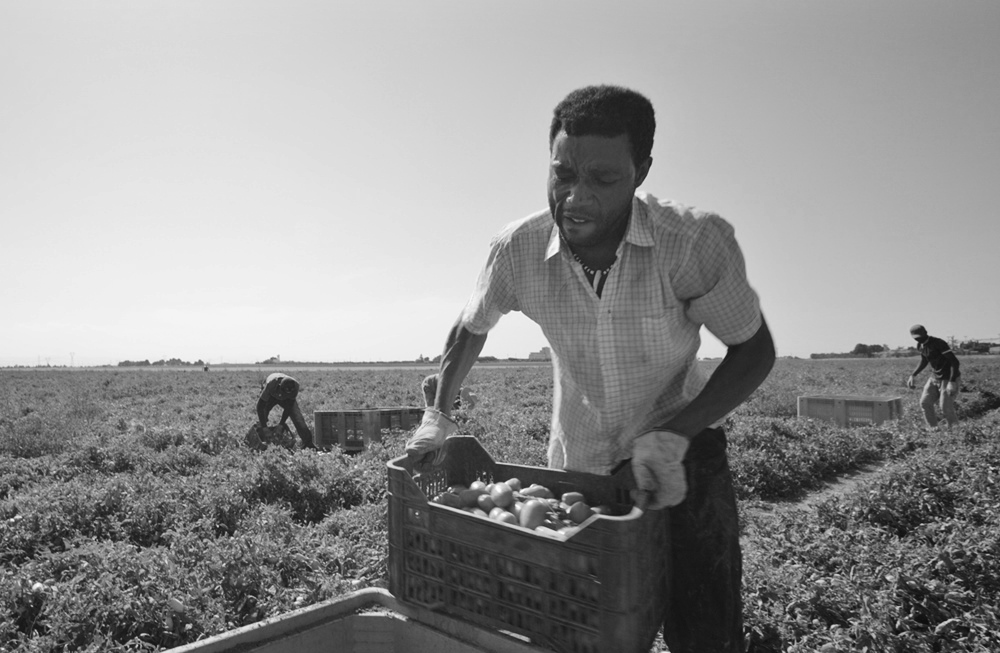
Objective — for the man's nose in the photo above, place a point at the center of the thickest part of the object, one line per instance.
(580, 194)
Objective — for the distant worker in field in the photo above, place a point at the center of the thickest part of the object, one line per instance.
(464, 400)
(943, 386)
(282, 390)
(621, 284)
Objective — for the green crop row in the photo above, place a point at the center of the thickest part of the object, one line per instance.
(134, 518)
(907, 562)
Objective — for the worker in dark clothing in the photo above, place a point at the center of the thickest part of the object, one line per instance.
(282, 390)
(942, 388)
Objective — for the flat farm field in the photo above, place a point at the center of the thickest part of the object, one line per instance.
(133, 517)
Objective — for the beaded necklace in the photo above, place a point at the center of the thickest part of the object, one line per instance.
(595, 277)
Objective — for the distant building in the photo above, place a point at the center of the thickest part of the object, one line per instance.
(545, 354)
(995, 350)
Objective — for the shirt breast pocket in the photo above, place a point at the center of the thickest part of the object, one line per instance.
(654, 343)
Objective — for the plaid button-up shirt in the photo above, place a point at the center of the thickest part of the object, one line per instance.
(626, 361)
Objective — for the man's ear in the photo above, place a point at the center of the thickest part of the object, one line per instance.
(642, 171)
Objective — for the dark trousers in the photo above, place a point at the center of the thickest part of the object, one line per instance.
(293, 410)
(705, 607)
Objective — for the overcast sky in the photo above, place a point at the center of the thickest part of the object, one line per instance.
(230, 181)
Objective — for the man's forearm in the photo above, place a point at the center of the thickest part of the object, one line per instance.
(460, 354)
(744, 368)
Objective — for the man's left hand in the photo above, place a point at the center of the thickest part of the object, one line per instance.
(952, 388)
(658, 467)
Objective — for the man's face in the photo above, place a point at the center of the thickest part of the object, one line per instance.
(591, 183)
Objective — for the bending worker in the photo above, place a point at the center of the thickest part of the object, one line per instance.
(282, 390)
(942, 388)
(621, 284)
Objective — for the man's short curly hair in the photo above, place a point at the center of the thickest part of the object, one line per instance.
(606, 110)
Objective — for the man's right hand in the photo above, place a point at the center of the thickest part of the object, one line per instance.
(426, 446)
(911, 382)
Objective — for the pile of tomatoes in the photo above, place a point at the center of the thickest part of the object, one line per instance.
(534, 507)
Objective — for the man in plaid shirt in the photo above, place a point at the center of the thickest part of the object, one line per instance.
(621, 284)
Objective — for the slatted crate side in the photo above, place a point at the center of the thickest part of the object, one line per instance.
(585, 597)
(601, 589)
(817, 408)
(403, 418)
(352, 429)
(850, 410)
(343, 428)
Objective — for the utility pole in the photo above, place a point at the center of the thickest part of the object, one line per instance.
(71, 355)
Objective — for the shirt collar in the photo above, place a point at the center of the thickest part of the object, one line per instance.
(639, 231)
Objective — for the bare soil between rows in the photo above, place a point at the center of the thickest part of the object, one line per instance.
(833, 487)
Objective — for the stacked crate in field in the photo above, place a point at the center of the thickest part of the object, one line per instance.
(850, 410)
(351, 430)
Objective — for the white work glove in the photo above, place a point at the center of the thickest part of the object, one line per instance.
(426, 447)
(952, 388)
(910, 382)
(658, 468)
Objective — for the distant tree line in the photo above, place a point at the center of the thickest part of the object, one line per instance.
(868, 350)
(862, 350)
(172, 362)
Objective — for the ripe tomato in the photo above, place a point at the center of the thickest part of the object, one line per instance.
(507, 518)
(485, 502)
(470, 497)
(533, 513)
(536, 490)
(502, 494)
(579, 512)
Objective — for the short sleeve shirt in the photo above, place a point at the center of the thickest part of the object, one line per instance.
(626, 361)
(933, 351)
(272, 388)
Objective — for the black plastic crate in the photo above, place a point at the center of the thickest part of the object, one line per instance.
(600, 589)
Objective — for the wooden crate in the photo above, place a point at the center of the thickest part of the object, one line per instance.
(850, 410)
(351, 430)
